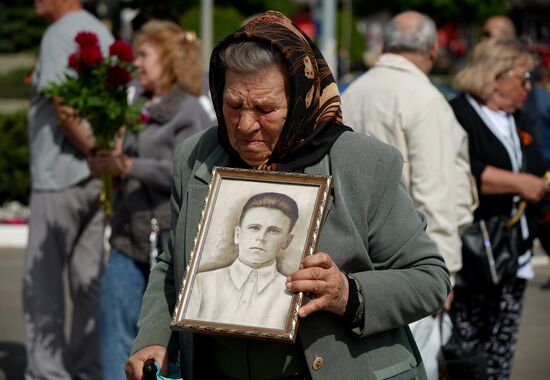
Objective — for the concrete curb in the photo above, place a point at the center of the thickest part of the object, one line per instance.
(13, 235)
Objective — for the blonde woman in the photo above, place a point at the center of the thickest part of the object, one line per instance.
(169, 71)
(506, 162)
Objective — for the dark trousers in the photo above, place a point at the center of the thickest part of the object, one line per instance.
(492, 319)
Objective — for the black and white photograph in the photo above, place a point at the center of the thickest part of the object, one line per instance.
(255, 230)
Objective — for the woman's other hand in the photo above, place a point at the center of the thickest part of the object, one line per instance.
(322, 277)
(501, 181)
(108, 161)
(134, 365)
(532, 188)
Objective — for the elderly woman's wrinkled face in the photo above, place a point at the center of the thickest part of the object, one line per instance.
(255, 107)
(512, 87)
(149, 67)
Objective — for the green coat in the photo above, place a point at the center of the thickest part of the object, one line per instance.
(372, 230)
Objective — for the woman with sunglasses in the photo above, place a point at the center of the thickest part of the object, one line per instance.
(506, 163)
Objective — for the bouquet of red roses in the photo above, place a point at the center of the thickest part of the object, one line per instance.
(98, 94)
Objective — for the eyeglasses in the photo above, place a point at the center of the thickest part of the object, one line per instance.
(525, 77)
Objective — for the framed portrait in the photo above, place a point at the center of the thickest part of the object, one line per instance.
(255, 230)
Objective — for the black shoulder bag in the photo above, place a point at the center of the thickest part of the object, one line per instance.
(490, 251)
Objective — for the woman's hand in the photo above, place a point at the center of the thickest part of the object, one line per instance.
(64, 113)
(108, 161)
(501, 181)
(532, 188)
(322, 277)
(73, 128)
(134, 365)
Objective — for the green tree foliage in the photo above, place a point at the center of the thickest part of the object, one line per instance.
(357, 41)
(14, 160)
(459, 11)
(20, 29)
(251, 7)
(286, 7)
(226, 20)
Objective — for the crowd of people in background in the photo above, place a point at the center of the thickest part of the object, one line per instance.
(390, 253)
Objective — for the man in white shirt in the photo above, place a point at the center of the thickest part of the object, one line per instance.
(250, 291)
(396, 103)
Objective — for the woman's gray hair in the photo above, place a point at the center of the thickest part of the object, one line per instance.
(418, 35)
(489, 59)
(246, 57)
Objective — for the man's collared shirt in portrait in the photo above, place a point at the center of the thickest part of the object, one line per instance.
(239, 294)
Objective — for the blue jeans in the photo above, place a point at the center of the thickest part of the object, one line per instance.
(122, 290)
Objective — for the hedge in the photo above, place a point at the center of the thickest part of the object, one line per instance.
(14, 158)
(20, 28)
(12, 84)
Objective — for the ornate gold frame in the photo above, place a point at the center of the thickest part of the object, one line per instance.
(312, 226)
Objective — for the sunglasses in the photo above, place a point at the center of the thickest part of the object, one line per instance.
(525, 77)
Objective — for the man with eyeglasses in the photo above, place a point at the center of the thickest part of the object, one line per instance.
(498, 26)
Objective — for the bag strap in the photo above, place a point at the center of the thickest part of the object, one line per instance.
(517, 215)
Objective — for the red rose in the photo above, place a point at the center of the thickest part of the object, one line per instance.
(122, 50)
(117, 76)
(74, 61)
(90, 56)
(84, 39)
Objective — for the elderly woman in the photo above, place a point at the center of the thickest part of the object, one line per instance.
(376, 270)
(505, 160)
(169, 71)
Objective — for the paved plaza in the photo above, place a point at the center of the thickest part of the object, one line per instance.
(532, 361)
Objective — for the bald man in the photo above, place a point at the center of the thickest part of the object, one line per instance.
(396, 103)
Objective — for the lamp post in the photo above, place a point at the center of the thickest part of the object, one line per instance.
(206, 31)
(328, 34)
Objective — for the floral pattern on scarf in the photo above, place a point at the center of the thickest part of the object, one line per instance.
(314, 119)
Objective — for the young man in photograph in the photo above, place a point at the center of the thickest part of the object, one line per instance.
(242, 292)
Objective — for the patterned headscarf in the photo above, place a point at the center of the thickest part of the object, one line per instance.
(314, 119)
